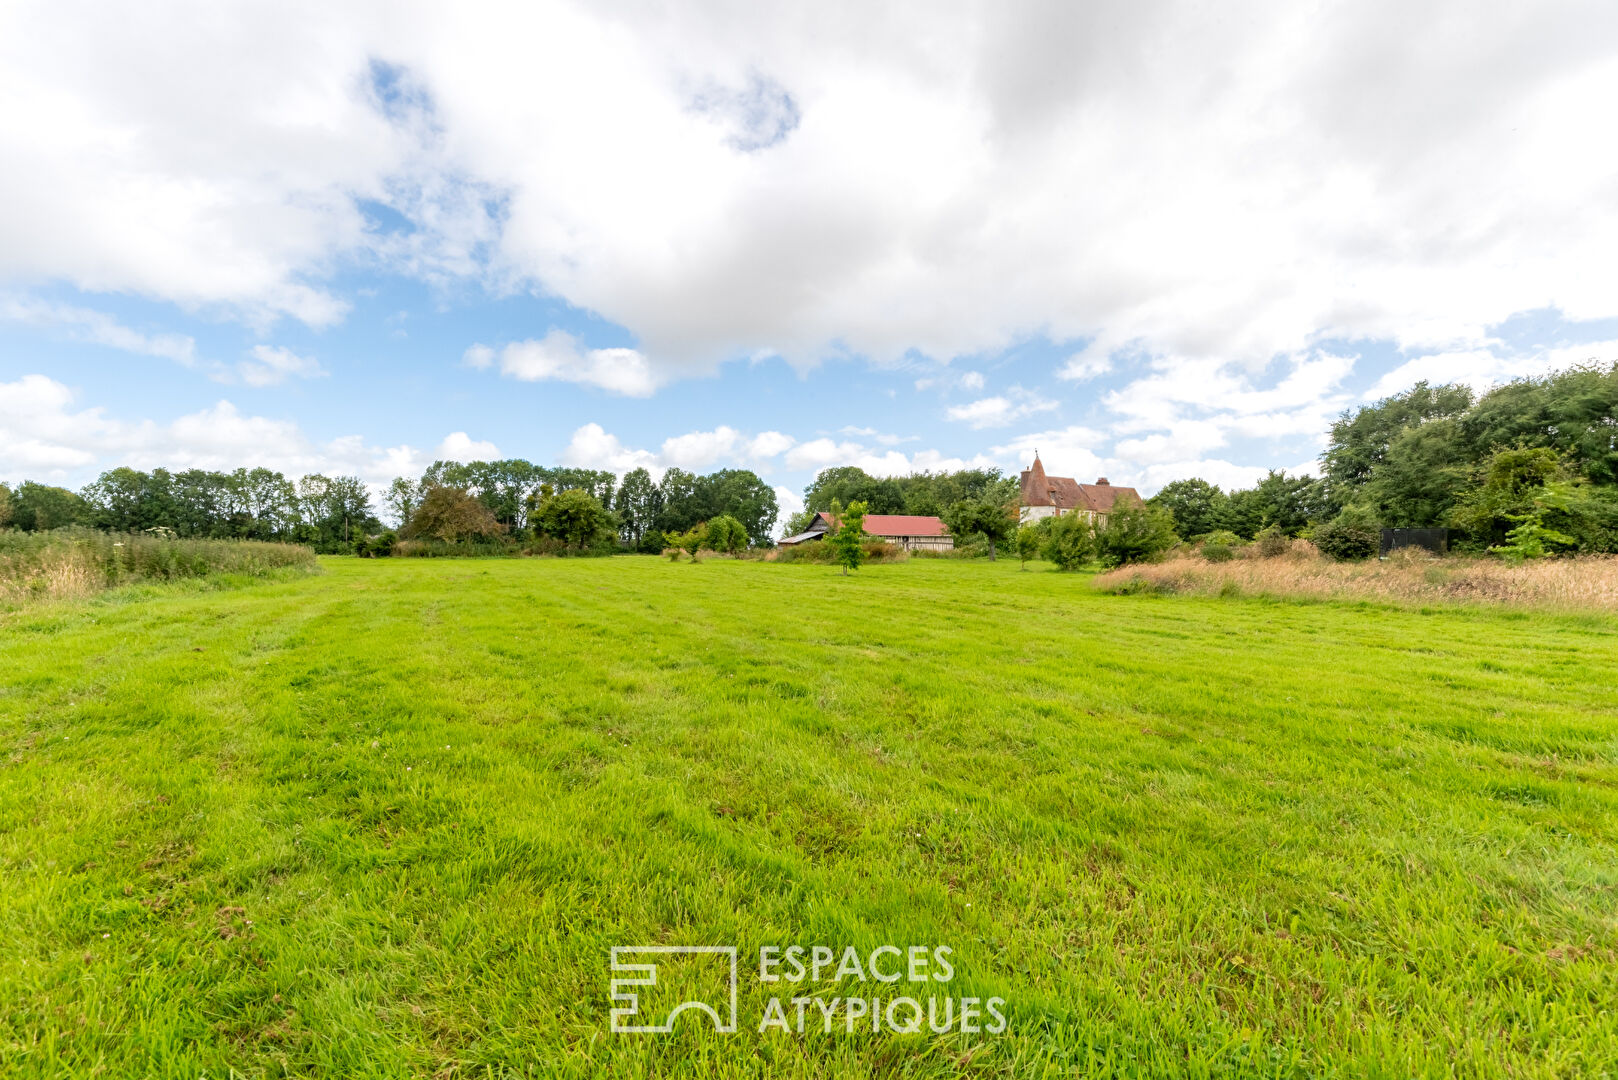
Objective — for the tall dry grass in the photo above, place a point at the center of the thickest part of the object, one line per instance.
(1585, 583)
(69, 564)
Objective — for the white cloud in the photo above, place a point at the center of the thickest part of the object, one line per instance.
(700, 449)
(459, 446)
(43, 437)
(558, 355)
(592, 447)
(1488, 366)
(98, 328)
(273, 365)
(972, 380)
(1001, 410)
(1226, 182)
(1085, 364)
(769, 444)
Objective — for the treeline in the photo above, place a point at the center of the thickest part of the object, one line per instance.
(638, 511)
(496, 502)
(247, 504)
(927, 493)
(1530, 467)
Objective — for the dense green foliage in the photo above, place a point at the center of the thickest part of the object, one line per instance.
(451, 514)
(925, 493)
(1434, 456)
(991, 517)
(389, 821)
(1135, 534)
(335, 514)
(1069, 541)
(1342, 541)
(1536, 455)
(40, 508)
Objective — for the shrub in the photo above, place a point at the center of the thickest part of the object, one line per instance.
(1216, 552)
(1029, 541)
(1070, 542)
(376, 547)
(652, 542)
(1135, 534)
(725, 534)
(574, 517)
(1346, 543)
(1270, 542)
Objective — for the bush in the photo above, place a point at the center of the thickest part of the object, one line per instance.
(1135, 534)
(1346, 543)
(1070, 542)
(1271, 542)
(725, 534)
(821, 553)
(652, 542)
(1217, 552)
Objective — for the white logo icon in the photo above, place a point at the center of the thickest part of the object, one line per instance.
(628, 975)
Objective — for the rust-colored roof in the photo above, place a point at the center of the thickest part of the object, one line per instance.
(1066, 493)
(895, 524)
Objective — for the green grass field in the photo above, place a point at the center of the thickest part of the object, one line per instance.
(390, 821)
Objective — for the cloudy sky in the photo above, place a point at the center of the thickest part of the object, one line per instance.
(1154, 240)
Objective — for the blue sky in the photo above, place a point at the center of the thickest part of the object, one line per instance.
(1153, 242)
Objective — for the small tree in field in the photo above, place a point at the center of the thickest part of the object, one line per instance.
(1028, 540)
(850, 531)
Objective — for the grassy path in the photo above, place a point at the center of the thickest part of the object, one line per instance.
(390, 820)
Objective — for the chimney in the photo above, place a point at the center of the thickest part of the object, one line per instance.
(1102, 482)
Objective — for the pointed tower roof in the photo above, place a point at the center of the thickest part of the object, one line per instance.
(1036, 489)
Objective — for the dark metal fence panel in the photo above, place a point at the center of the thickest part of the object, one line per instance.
(1434, 540)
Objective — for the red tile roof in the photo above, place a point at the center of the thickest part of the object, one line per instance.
(1065, 493)
(896, 524)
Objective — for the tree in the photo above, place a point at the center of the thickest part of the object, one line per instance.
(573, 516)
(725, 534)
(39, 507)
(986, 516)
(5, 506)
(401, 500)
(1360, 443)
(1198, 507)
(1070, 541)
(846, 541)
(681, 505)
(639, 503)
(1574, 412)
(740, 494)
(451, 514)
(1028, 544)
(1135, 534)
